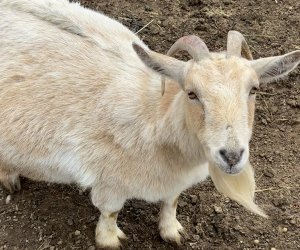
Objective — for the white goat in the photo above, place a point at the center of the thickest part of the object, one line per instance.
(80, 102)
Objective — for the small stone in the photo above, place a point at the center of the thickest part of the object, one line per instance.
(198, 228)
(296, 121)
(182, 203)
(238, 228)
(77, 232)
(92, 248)
(218, 210)
(154, 30)
(273, 248)
(284, 229)
(274, 109)
(292, 103)
(264, 121)
(60, 242)
(293, 221)
(282, 129)
(52, 248)
(227, 2)
(269, 173)
(227, 199)
(188, 219)
(196, 237)
(201, 27)
(262, 154)
(135, 237)
(280, 202)
(256, 242)
(8, 199)
(148, 8)
(201, 20)
(194, 199)
(194, 2)
(70, 222)
(93, 218)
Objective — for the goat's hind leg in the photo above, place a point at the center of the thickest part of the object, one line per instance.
(9, 179)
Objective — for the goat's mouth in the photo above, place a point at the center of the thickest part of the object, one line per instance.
(230, 170)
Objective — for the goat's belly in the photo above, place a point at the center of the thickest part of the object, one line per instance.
(61, 166)
(47, 174)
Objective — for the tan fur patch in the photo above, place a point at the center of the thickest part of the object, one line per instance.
(171, 90)
(175, 202)
(114, 215)
(251, 111)
(18, 78)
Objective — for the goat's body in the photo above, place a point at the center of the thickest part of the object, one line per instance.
(78, 106)
(80, 102)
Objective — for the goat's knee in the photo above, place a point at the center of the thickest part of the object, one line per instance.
(10, 180)
(169, 227)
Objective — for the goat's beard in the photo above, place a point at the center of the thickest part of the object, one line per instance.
(239, 187)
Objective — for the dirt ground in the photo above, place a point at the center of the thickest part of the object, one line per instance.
(44, 216)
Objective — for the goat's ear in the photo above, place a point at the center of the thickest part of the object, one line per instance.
(164, 65)
(272, 68)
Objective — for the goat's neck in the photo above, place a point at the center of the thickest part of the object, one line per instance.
(171, 125)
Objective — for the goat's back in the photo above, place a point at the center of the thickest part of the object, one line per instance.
(69, 79)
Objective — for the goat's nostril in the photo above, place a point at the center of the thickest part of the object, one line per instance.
(222, 152)
(241, 153)
(230, 157)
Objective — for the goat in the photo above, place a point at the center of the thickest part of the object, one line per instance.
(80, 102)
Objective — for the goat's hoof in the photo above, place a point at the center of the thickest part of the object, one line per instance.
(172, 232)
(111, 242)
(109, 239)
(11, 182)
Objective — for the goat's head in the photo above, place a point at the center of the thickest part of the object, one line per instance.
(219, 92)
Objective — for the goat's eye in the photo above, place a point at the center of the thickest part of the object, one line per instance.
(192, 95)
(253, 91)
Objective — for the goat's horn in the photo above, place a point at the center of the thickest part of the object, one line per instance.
(237, 45)
(194, 45)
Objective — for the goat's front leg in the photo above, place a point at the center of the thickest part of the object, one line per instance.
(169, 227)
(108, 234)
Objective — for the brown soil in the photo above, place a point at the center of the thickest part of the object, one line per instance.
(44, 216)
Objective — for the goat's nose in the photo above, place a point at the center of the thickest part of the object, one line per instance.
(231, 157)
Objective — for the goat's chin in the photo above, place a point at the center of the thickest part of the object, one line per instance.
(239, 187)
